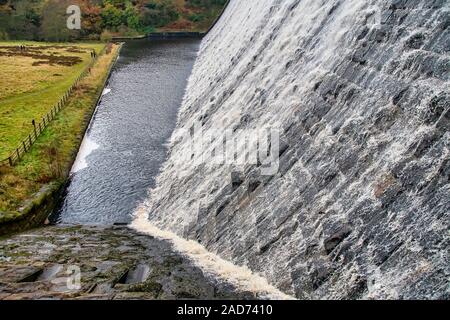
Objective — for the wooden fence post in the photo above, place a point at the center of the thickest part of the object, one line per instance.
(10, 161)
(18, 154)
(34, 126)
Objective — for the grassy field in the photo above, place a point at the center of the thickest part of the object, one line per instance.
(51, 156)
(32, 81)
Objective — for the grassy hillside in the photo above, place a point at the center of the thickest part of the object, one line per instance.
(50, 70)
(52, 154)
(45, 20)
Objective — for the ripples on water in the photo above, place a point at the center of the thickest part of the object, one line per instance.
(124, 146)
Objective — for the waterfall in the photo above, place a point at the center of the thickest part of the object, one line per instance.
(359, 92)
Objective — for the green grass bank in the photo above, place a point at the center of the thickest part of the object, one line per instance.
(28, 191)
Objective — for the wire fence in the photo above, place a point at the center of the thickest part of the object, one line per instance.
(41, 124)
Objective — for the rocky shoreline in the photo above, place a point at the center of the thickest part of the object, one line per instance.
(101, 263)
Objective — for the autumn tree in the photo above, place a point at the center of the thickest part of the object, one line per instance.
(112, 17)
(91, 22)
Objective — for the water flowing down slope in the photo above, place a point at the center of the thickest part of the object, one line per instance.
(360, 204)
(212, 265)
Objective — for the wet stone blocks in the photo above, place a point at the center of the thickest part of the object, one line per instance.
(360, 205)
(80, 262)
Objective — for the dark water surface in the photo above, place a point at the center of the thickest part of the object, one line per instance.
(124, 146)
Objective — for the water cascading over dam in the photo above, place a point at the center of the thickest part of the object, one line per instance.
(359, 91)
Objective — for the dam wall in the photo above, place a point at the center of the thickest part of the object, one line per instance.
(359, 206)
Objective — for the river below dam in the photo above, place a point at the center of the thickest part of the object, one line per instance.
(124, 146)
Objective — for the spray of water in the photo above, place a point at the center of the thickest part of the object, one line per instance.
(86, 148)
(241, 277)
(360, 91)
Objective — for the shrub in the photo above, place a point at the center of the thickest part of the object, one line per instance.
(132, 17)
(112, 17)
(206, 3)
(158, 14)
(196, 17)
(4, 35)
(106, 36)
(93, 37)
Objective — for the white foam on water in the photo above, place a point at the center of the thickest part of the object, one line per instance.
(241, 277)
(272, 52)
(86, 148)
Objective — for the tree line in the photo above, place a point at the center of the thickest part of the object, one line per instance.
(45, 20)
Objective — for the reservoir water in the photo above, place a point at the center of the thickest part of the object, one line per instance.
(124, 146)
